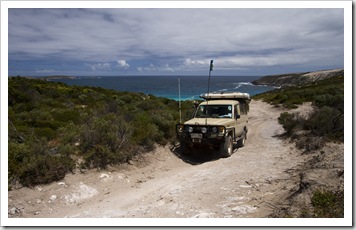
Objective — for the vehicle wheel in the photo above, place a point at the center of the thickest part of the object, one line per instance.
(184, 148)
(241, 142)
(226, 148)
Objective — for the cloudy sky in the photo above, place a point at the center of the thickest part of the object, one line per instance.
(98, 42)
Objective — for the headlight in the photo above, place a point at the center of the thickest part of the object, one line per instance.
(180, 128)
(204, 129)
(190, 129)
(219, 130)
(222, 129)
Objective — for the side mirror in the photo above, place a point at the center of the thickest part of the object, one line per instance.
(196, 104)
(237, 116)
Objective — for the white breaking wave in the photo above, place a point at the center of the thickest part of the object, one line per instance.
(245, 83)
(239, 84)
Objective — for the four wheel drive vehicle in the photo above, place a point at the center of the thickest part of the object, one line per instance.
(219, 121)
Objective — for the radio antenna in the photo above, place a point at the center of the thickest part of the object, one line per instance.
(180, 105)
(207, 100)
(211, 69)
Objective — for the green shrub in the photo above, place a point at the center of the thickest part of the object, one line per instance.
(31, 163)
(334, 101)
(165, 121)
(69, 134)
(105, 140)
(66, 115)
(44, 169)
(47, 133)
(328, 204)
(145, 131)
(288, 121)
(326, 121)
(310, 143)
(98, 156)
(323, 123)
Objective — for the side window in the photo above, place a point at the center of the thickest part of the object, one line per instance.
(243, 109)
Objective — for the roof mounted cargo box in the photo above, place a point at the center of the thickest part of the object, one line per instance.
(226, 96)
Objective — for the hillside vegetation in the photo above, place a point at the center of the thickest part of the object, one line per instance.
(310, 133)
(55, 128)
(293, 79)
(327, 96)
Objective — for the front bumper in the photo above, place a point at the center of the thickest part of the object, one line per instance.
(201, 135)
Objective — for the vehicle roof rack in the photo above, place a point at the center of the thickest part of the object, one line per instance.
(226, 95)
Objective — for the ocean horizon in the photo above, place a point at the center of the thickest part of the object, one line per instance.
(191, 87)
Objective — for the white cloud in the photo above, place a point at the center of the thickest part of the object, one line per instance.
(100, 66)
(45, 71)
(190, 62)
(123, 64)
(153, 68)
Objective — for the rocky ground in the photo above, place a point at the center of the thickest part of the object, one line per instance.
(268, 177)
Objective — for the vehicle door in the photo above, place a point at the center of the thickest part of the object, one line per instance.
(241, 119)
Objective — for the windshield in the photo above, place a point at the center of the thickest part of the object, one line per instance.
(214, 111)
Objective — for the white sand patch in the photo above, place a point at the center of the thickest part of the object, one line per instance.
(83, 192)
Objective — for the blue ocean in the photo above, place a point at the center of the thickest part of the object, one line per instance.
(167, 86)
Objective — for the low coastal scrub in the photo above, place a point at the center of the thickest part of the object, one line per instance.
(325, 123)
(54, 128)
(327, 97)
(328, 92)
(328, 204)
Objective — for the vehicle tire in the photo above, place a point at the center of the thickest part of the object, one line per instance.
(241, 142)
(184, 149)
(226, 148)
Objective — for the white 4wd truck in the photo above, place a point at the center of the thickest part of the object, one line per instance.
(219, 121)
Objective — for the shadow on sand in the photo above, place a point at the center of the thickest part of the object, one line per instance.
(197, 156)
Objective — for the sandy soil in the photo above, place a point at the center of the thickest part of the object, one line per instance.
(253, 182)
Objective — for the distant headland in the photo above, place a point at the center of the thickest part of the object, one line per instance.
(292, 79)
(47, 78)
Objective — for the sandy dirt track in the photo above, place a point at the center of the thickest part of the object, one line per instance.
(162, 183)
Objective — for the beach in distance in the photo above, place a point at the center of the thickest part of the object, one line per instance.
(167, 86)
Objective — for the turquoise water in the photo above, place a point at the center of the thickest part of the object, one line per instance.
(167, 86)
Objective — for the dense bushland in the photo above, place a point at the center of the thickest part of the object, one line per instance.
(52, 125)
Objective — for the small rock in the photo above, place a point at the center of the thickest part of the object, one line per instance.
(203, 215)
(104, 176)
(61, 183)
(39, 189)
(53, 198)
(14, 210)
(36, 213)
(83, 170)
(130, 162)
(17, 185)
(121, 176)
(38, 201)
